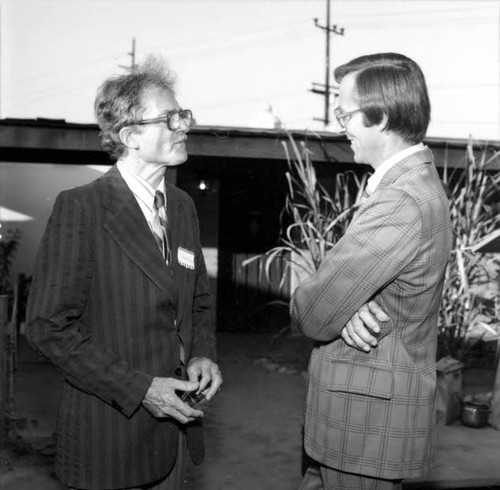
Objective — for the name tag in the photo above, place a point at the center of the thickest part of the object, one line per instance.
(185, 258)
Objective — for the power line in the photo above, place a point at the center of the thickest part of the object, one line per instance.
(28, 78)
(238, 43)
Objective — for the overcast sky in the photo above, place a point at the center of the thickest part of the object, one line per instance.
(233, 57)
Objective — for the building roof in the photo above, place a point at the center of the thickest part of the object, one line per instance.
(57, 141)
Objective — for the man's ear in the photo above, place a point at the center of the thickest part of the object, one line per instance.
(383, 123)
(128, 136)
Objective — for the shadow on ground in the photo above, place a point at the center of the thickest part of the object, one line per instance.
(253, 429)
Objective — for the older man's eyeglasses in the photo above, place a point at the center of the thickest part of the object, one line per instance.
(172, 119)
(343, 117)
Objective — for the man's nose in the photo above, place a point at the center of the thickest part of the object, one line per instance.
(185, 125)
(336, 127)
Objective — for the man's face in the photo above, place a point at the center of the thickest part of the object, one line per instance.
(365, 141)
(157, 144)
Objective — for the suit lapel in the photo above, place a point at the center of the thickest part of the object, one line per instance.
(127, 225)
(175, 223)
(395, 172)
(172, 216)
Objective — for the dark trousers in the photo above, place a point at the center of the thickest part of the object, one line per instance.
(175, 479)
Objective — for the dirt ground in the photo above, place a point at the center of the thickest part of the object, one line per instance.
(253, 428)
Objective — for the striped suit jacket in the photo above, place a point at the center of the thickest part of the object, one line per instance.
(109, 313)
(374, 413)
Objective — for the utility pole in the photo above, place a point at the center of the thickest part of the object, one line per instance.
(325, 89)
(131, 53)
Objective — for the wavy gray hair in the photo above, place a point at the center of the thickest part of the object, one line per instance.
(119, 100)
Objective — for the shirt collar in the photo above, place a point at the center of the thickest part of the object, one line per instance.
(380, 171)
(141, 189)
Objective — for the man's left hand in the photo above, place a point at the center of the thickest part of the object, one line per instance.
(362, 330)
(207, 373)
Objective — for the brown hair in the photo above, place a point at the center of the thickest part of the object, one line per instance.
(391, 84)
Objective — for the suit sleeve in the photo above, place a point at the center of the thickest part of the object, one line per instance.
(380, 242)
(58, 296)
(204, 343)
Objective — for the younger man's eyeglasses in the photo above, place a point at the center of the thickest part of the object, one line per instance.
(343, 117)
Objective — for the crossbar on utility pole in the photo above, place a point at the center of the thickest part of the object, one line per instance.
(326, 89)
(131, 53)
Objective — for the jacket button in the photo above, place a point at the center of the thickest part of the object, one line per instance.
(178, 371)
(116, 405)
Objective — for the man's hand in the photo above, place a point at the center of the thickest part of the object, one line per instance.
(161, 399)
(362, 329)
(205, 372)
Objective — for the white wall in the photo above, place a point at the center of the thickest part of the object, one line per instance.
(31, 189)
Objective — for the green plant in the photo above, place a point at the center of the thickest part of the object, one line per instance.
(471, 282)
(317, 218)
(8, 247)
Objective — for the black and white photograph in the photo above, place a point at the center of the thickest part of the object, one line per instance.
(249, 244)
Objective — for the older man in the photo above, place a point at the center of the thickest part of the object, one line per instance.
(370, 416)
(120, 301)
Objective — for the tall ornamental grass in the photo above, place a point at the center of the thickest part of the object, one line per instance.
(468, 311)
(313, 219)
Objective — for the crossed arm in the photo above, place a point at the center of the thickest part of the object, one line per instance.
(362, 330)
(337, 299)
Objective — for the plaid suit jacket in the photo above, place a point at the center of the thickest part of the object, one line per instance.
(373, 413)
(107, 311)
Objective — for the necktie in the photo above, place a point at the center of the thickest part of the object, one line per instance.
(161, 233)
(160, 226)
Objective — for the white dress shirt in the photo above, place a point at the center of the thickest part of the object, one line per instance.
(379, 173)
(143, 192)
